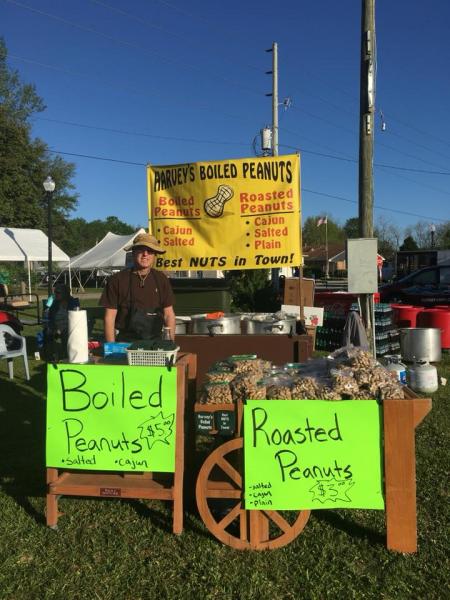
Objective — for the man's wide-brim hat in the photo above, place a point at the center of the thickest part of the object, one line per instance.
(148, 241)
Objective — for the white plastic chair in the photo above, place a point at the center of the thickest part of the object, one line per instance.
(10, 355)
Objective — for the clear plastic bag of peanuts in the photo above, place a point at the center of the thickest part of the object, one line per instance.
(244, 386)
(218, 375)
(248, 364)
(217, 392)
(278, 387)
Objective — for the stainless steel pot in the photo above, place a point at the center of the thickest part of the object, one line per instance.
(269, 326)
(229, 324)
(180, 327)
(420, 343)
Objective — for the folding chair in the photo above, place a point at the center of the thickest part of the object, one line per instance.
(11, 354)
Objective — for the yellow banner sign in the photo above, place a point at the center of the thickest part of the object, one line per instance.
(231, 214)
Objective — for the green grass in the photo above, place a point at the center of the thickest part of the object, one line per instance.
(118, 549)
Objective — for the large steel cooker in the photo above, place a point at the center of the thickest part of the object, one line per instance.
(420, 343)
(181, 325)
(269, 324)
(229, 324)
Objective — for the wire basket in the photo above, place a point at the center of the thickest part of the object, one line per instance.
(157, 358)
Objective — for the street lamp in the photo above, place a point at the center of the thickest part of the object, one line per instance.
(432, 232)
(49, 187)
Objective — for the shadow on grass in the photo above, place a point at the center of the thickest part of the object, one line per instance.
(22, 438)
(349, 526)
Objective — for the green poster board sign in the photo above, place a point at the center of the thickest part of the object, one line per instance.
(312, 454)
(111, 418)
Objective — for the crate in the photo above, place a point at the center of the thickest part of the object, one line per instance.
(156, 358)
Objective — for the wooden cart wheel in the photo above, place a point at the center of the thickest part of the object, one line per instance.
(219, 501)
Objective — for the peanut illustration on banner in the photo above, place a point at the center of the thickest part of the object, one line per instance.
(214, 206)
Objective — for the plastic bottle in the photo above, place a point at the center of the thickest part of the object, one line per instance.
(40, 339)
(166, 334)
(395, 365)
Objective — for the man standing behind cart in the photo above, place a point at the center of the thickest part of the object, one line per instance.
(139, 301)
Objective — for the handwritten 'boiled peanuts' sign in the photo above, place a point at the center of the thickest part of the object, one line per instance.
(111, 418)
(229, 214)
(312, 454)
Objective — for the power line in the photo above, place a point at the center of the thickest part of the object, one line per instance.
(401, 212)
(353, 160)
(141, 134)
(228, 143)
(427, 162)
(91, 157)
(136, 164)
(194, 67)
(306, 112)
(417, 143)
(189, 65)
(185, 39)
(421, 131)
(420, 183)
(113, 86)
(130, 45)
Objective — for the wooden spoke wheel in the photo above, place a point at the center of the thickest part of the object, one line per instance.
(220, 504)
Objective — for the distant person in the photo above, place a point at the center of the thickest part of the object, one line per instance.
(138, 301)
(57, 322)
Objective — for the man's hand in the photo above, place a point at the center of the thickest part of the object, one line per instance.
(169, 320)
(109, 324)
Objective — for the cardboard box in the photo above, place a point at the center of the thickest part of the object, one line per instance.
(292, 291)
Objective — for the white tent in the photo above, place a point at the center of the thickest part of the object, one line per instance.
(109, 253)
(28, 245)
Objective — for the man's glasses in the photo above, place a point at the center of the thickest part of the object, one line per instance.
(142, 249)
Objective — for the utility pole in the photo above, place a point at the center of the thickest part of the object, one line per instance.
(275, 97)
(274, 94)
(366, 131)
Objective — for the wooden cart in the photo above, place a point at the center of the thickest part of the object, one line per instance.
(157, 486)
(219, 486)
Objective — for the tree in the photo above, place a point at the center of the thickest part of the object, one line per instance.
(314, 235)
(80, 235)
(409, 243)
(443, 236)
(26, 162)
(251, 291)
(388, 238)
(421, 233)
(351, 228)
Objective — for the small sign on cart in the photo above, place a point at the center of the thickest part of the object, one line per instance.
(204, 422)
(225, 422)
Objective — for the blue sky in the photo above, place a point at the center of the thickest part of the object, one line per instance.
(185, 81)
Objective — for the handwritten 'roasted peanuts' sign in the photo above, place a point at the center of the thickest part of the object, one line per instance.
(111, 418)
(308, 454)
(234, 214)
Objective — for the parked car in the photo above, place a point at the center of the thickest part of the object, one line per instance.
(426, 287)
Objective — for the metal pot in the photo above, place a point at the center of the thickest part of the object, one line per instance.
(180, 327)
(269, 326)
(229, 324)
(420, 343)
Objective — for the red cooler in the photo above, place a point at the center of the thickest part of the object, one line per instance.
(405, 315)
